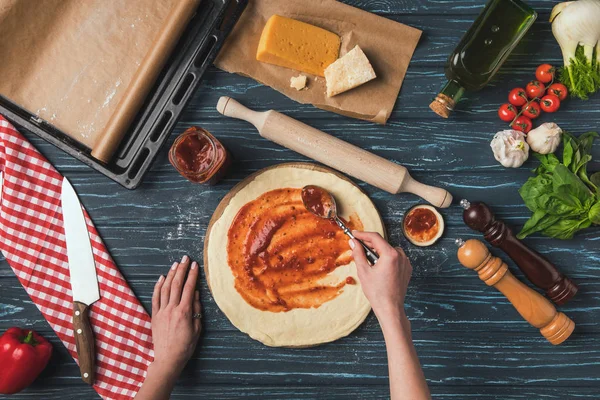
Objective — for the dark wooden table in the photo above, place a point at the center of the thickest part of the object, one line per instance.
(471, 342)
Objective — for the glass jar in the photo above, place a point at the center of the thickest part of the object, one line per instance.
(199, 156)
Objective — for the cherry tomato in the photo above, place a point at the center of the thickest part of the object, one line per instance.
(507, 112)
(522, 123)
(517, 97)
(559, 90)
(545, 73)
(550, 103)
(532, 110)
(535, 89)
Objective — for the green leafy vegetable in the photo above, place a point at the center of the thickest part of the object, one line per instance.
(561, 196)
(582, 76)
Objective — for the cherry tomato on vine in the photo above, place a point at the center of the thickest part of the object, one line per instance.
(559, 90)
(517, 97)
(550, 103)
(522, 124)
(535, 89)
(532, 110)
(507, 112)
(545, 73)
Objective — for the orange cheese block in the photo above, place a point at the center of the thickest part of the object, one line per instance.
(297, 45)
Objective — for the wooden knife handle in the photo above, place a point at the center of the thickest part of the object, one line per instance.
(336, 153)
(555, 326)
(84, 340)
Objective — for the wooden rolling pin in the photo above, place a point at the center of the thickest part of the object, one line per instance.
(334, 152)
(541, 272)
(555, 326)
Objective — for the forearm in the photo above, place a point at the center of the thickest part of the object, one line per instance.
(159, 383)
(406, 376)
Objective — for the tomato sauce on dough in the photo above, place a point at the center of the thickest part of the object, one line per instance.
(281, 255)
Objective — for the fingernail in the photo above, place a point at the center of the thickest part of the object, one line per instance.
(351, 244)
(185, 259)
(174, 266)
(162, 278)
(194, 265)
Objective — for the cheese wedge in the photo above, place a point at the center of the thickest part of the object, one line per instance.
(297, 45)
(350, 71)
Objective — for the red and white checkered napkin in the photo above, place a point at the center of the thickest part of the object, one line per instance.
(33, 242)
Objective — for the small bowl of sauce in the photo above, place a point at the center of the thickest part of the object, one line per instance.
(199, 156)
(423, 225)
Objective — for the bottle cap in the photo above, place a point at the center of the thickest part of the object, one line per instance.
(442, 105)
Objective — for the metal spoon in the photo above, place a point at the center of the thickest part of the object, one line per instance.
(329, 211)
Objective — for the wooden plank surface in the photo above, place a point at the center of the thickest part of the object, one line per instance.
(472, 344)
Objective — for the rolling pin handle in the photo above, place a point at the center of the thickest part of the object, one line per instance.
(232, 108)
(436, 196)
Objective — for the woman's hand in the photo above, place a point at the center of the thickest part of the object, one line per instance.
(174, 302)
(384, 283)
(174, 330)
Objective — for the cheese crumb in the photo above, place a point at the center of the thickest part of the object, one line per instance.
(348, 72)
(298, 82)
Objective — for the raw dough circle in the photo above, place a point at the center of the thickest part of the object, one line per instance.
(299, 327)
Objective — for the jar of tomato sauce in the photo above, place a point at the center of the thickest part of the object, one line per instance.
(199, 156)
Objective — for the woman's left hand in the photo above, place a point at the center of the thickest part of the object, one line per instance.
(174, 330)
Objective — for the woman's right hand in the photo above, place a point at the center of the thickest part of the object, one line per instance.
(384, 283)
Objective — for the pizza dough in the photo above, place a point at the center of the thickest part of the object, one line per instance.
(298, 327)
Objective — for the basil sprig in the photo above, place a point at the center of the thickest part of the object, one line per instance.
(561, 196)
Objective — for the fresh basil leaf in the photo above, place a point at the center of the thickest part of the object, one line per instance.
(586, 142)
(563, 204)
(565, 228)
(595, 179)
(533, 189)
(584, 147)
(547, 162)
(568, 152)
(533, 223)
(562, 176)
(594, 214)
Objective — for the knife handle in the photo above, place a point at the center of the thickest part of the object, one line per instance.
(84, 340)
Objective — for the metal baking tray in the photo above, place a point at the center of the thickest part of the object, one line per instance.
(194, 53)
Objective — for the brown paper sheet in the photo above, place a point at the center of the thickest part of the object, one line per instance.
(389, 46)
(71, 61)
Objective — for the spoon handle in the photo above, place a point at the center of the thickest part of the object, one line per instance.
(372, 256)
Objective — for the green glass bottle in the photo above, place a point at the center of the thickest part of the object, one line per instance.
(482, 50)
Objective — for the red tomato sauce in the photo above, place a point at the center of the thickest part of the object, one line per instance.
(199, 156)
(280, 253)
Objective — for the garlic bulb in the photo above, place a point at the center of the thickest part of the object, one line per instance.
(545, 138)
(510, 148)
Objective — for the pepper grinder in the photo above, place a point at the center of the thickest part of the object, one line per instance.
(541, 272)
(555, 326)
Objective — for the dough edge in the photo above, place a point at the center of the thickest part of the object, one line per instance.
(299, 327)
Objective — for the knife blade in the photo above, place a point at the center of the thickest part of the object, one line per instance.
(84, 282)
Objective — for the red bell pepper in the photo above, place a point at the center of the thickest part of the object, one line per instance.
(23, 355)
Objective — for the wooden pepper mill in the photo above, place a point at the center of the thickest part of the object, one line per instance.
(541, 272)
(555, 326)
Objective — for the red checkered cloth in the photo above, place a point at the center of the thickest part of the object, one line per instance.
(32, 240)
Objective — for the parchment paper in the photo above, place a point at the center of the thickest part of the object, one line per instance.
(71, 61)
(389, 46)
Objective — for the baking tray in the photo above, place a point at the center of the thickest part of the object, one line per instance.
(194, 53)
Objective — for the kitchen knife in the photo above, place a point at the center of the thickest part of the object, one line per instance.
(84, 282)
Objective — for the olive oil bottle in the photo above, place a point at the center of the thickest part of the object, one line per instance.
(482, 50)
